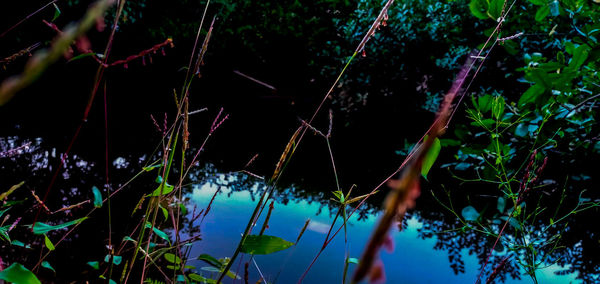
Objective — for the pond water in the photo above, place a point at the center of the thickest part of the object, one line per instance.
(415, 259)
(422, 254)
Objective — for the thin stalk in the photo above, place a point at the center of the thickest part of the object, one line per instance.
(26, 18)
(157, 200)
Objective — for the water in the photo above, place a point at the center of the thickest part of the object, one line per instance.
(414, 259)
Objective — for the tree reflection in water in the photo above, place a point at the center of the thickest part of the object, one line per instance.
(578, 251)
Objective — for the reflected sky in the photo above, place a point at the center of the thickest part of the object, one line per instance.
(414, 259)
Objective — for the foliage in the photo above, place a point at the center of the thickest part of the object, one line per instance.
(254, 244)
(549, 117)
(18, 274)
(419, 39)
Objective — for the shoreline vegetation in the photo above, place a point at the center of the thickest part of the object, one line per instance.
(516, 158)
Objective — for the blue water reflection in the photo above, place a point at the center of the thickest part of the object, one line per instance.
(414, 259)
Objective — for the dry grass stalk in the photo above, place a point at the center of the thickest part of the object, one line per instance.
(12, 189)
(186, 124)
(302, 231)
(41, 60)
(266, 223)
(40, 202)
(379, 21)
(200, 59)
(288, 151)
(23, 52)
(83, 46)
(255, 80)
(66, 208)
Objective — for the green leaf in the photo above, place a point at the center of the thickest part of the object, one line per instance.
(129, 239)
(201, 279)
(495, 10)
(210, 269)
(167, 189)
(116, 259)
(501, 204)
(539, 2)
(353, 260)
(531, 94)
(183, 209)
(450, 142)
(56, 12)
(512, 221)
(479, 8)
(47, 265)
(172, 258)
(165, 212)
(159, 233)
(4, 234)
(18, 274)
(498, 107)
(263, 244)
(19, 244)
(42, 228)
(80, 56)
(210, 260)
(97, 197)
(470, 213)
(485, 123)
(49, 243)
(150, 168)
(542, 13)
(484, 103)
(580, 54)
(4, 211)
(430, 157)
(540, 76)
(94, 264)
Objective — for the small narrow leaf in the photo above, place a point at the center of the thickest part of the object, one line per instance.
(80, 56)
(56, 12)
(166, 189)
(498, 107)
(264, 244)
(116, 259)
(18, 274)
(158, 232)
(48, 243)
(201, 279)
(150, 168)
(42, 228)
(210, 260)
(431, 156)
(129, 239)
(94, 264)
(97, 197)
(19, 244)
(47, 265)
(165, 212)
